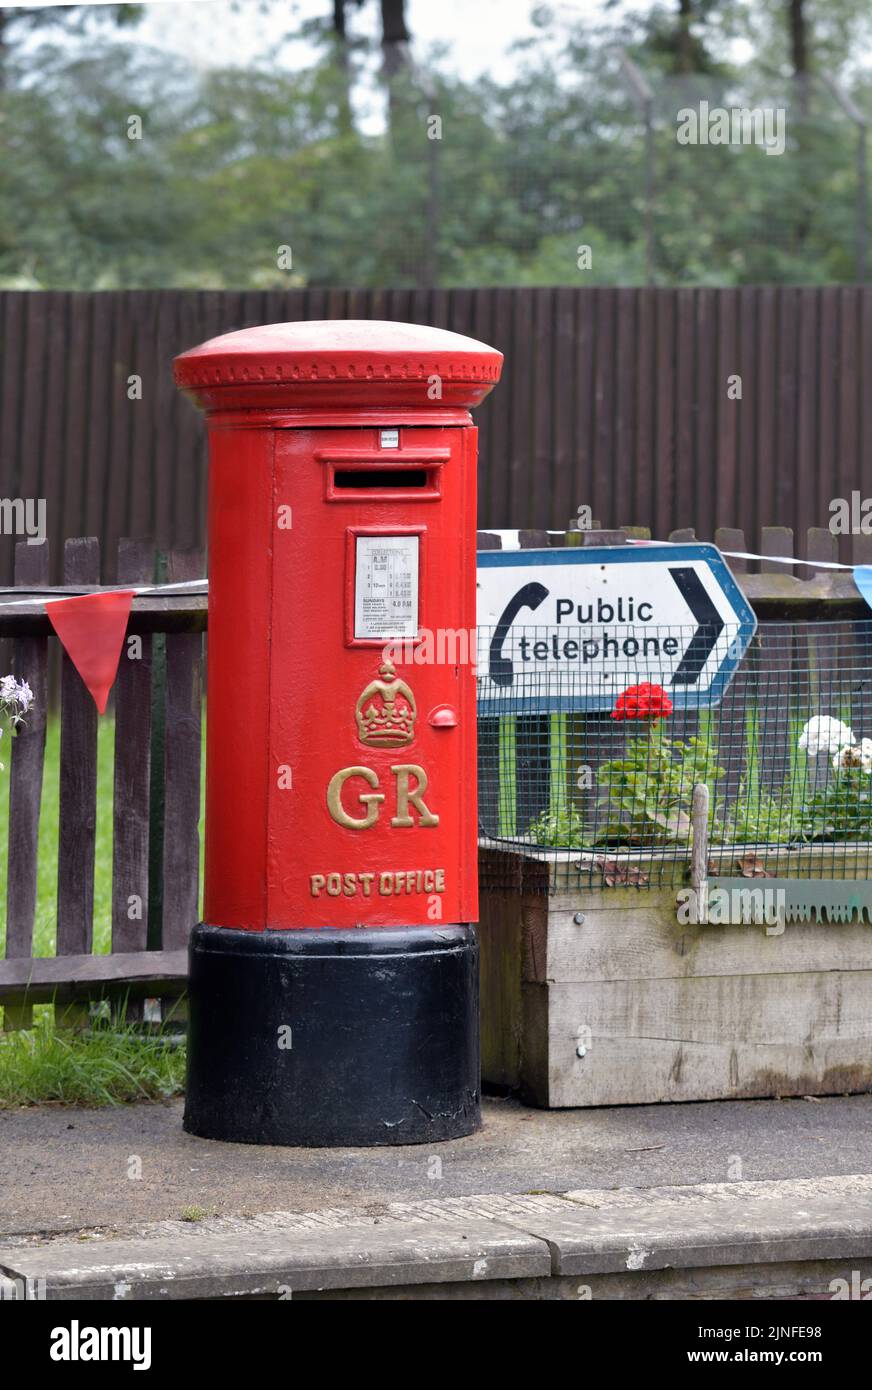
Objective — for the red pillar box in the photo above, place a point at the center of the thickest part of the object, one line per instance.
(333, 992)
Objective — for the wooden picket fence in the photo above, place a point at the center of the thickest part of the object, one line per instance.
(155, 842)
(158, 705)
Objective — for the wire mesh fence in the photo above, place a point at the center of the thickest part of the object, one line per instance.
(603, 795)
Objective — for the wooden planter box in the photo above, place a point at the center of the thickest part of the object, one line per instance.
(662, 1012)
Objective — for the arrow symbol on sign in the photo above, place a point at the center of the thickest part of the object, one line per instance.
(710, 626)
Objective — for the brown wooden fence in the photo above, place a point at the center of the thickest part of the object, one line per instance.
(619, 399)
(157, 773)
(156, 791)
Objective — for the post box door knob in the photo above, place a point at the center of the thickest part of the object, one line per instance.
(443, 717)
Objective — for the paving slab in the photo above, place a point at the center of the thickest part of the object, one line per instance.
(66, 1169)
(256, 1263)
(705, 1233)
(800, 1235)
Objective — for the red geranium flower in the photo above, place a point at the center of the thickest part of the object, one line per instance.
(644, 701)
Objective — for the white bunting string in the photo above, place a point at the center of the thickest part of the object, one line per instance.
(48, 595)
(750, 555)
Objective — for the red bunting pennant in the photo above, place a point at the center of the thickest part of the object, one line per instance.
(91, 629)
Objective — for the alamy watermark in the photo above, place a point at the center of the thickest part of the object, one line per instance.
(737, 125)
(721, 907)
(23, 516)
(851, 516)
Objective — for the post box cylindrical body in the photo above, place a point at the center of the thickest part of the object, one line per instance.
(334, 979)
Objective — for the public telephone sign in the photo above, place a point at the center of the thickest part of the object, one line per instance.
(570, 629)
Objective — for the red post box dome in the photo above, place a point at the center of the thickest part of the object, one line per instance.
(347, 362)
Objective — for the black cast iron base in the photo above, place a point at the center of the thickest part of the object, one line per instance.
(333, 1037)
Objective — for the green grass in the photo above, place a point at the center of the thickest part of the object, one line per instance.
(105, 1066)
(49, 1063)
(44, 933)
(47, 875)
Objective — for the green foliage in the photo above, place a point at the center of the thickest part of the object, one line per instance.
(561, 826)
(761, 818)
(110, 1065)
(234, 164)
(647, 793)
(842, 810)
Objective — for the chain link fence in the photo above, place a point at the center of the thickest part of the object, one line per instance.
(607, 801)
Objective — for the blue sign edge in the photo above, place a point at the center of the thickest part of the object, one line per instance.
(603, 554)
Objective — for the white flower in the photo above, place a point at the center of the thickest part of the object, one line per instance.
(8, 688)
(24, 696)
(825, 735)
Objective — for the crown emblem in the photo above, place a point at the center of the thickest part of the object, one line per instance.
(386, 711)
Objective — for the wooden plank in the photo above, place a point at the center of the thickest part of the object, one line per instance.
(540, 455)
(184, 699)
(807, 463)
(821, 545)
(728, 409)
(694, 1048)
(627, 934)
(98, 404)
(705, 435)
(132, 769)
(584, 416)
(776, 540)
(494, 494)
(120, 409)
(136, 516)
(500, 926)
(564, 499)
(827, 390)
(11, 392)
(166, 405)
(75, 445)
(53, 387)
(663, 516)
(645, 457)
(603, 404)
(182, 612)
(483, 330)
(78, 780)
(685, 404)
(784, 461)
(189, 475)
(30, 454)
(29, 663)
(766, 409)
(624, 459)
(758, 1009)
(852, 385)
(746, 514)
(517, 469)
(728, 538)
(63, 978)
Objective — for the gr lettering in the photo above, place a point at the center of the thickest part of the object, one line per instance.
(358, 808)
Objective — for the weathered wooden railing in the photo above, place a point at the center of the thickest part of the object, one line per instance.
(158, 715)
(155, 849)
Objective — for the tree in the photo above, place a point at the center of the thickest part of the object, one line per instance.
(21, 20)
